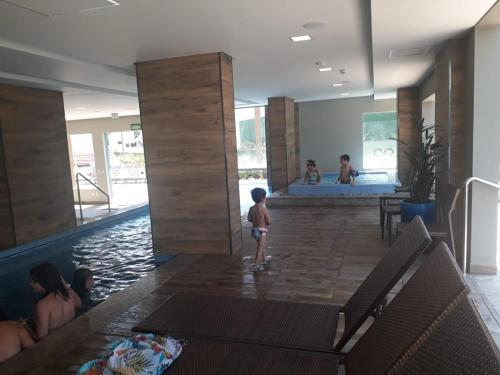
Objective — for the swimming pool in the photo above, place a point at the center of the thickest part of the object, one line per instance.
(119, 254)
(367, 183)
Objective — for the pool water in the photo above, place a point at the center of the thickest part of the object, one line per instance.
(362, 179)
(367, 183)
(118, 254)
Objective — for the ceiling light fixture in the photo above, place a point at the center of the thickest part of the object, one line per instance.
(337, 84)
(344, 94)
(322, 67)
(300, 38)
(80, 108)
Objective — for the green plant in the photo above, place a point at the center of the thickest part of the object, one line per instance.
(423, 158)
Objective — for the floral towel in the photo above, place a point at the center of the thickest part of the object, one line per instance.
(139, 355)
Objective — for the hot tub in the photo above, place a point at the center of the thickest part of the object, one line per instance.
(367, 183)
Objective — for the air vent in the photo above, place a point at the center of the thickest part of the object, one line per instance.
(57, 8)
(420, 51)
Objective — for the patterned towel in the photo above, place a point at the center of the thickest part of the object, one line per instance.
(139, 355)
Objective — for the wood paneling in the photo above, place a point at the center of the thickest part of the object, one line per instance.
(282, 144)
(452, 128)
(297, 140)
(409, 114)
(187, 112)
(450, 112)
(36, 161)
(7, 238)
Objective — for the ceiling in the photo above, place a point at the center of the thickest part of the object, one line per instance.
(414, 30)
(88, 49)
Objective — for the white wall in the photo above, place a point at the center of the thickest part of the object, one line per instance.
(485, 149)
(330, 128)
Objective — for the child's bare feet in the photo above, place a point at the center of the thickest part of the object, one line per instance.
(258, 268)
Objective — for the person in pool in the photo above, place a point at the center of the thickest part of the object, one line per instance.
(14, 338)
(59, 302)
(312, 176)
(83, 281)
(347, 174)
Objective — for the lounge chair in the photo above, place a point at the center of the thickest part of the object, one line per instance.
(288, 324)
(401, 340)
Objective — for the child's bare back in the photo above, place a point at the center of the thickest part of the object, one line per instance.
(259, 216)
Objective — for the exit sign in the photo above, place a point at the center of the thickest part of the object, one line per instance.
(137, 126)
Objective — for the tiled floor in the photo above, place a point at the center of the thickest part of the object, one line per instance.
(321, 255)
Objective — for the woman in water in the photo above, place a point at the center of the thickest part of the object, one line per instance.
(83, 280)
(58, 304)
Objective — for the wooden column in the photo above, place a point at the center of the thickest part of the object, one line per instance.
(187, 113)
(297, 140)
(409, 114)
(281, 142)
(36, 194)
(450, 113)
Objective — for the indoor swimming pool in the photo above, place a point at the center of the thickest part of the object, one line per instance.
(119, 254)
(367, 183)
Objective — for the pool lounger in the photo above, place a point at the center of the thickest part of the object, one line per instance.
(288, 324)
(419, 331)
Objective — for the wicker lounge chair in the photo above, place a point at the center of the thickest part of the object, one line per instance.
(406, 339)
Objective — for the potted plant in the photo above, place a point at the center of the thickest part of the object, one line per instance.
(423, 158)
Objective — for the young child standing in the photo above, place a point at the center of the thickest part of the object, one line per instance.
(259, 217)
(347, 173)
(312, 176)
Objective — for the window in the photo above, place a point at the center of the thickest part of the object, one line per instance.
(379, 140)
(251, 137)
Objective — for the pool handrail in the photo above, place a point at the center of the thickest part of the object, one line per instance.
(466, 211)
(77, 175)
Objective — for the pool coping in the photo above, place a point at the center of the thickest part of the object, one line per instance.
(19, 249)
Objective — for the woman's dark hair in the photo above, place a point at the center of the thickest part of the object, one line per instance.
(79, 280)
(311, 162)
(345, 157)
(258, 194)
(48, 276)
(3, 316)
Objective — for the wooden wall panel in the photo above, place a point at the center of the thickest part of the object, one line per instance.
(37, 161)
(409, 113)
(187, 116)
(281, 141)
(297, 140)
(231, 154)
(7, 238)
(450, 112)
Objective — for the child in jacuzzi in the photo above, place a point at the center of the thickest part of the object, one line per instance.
(312, 176)
(347, 174)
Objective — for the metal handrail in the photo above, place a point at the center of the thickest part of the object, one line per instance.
(450, 221)
(78, 174)
(466, 191)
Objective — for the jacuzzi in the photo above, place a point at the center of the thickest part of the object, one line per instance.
(367, 183)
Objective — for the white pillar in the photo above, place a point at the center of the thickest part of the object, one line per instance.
(484, 216)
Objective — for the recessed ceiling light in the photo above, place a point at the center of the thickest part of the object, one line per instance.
(325, 69)
(80, 108)
(338, 84)
(344, 94)
(313, 25)
(300, 38)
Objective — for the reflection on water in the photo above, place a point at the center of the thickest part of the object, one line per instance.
(118, 255)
